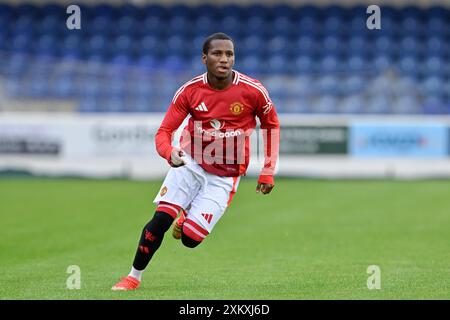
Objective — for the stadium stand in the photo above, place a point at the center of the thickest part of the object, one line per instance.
(312, 59)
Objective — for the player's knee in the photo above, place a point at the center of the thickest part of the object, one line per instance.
(193, 234)
(160, 222)
(169, 208)
(189, 242)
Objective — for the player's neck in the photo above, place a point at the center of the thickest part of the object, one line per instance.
(218, 83)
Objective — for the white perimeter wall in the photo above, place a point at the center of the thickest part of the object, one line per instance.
(108, 145)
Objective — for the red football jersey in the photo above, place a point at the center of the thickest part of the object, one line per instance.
(218, 131)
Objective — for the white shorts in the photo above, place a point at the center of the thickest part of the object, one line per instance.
(202, 195)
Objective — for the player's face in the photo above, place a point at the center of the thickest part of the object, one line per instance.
(220, 58)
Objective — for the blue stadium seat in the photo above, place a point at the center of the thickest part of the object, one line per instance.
(25, 9)
(51, 25)
(174, 63)
(151, 26)
(329, 64)
(88, 104)
(147, 62)
(63, 87)
(180, 10)
(406, 85)
(13, 86)
(283, 11)
(254, 25)
(275, 64)
(231, 10)
(436, 46)
(179, 25)
(357, 26)
(204, 25)
(299, 86)
(275, 84)
(249, 64)
(435, 26)
(356, 46)
(386, 45)
(123, 45)
(377, 105)
(305, 45)
(332, 45)
(126, 25)
(308, 11)
(206, 10)
(352, 85)
(4, 41)
(22, 43)
(334, 25)
(130, 10)
(317, 52)
(304, 64)
(434, 106)
(411, 26)
(406, 104)
(326, 104)
(111, 104)
(411, 11)
(434, 66)
(23, 24)
(393, 13)
(6, 10)
(436, 11)
(432, 86)
(408, 65)
(293, 105)
(351, 104)
(16, 64)
(308, 26)
(410, 45)
(283, 27)
(99, 25)
(103, 10)
(356, 64)
(381, 63)
(257, 10)
(276, 45)
(46, 44)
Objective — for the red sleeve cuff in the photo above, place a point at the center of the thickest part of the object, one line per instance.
(266, 179)
(168, 154)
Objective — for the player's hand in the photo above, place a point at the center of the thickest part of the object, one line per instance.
(175, 158)
(265, 188)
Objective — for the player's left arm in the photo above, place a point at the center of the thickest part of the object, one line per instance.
(270, 125)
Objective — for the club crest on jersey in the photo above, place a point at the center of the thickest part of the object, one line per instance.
(236, 108)
(216, 124)
(163, 191)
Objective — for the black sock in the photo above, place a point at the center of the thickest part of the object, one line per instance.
(151, 239)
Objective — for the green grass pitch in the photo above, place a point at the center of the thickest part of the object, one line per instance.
(307, 240)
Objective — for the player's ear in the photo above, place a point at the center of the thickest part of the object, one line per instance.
(203, 58)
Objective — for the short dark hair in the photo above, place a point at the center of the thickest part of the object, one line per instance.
(215, 36)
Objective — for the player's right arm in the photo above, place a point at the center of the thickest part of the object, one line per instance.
(174, 117)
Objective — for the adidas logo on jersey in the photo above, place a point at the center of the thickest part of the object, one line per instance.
(207, 216)
(201, 107)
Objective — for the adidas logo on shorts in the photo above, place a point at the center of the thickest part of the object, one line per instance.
(207, 216)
